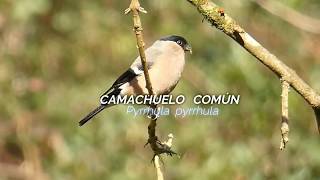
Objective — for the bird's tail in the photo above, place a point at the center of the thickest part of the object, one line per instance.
(92, 114)
(114, 92)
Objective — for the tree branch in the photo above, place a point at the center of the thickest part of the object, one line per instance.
(157, 158)
(285, 114)
(157, 147)
(135, 8)
(158, 167)
(218, 18)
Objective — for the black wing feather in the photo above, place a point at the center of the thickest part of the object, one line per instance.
(124, 78)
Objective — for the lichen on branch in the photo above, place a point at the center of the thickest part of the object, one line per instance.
(222, 21)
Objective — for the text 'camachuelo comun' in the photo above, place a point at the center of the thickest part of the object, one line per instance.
(170, 99)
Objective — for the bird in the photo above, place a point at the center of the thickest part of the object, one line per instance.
(165, 60)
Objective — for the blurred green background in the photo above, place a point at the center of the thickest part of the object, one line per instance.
(58, 56)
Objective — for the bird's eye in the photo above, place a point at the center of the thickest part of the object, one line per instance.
(179, 42)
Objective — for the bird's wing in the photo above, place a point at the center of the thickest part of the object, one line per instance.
(136, 68)
(124, 78)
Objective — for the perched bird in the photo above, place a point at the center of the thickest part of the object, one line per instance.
(165, 62)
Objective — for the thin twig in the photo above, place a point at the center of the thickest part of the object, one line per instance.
(135, 8)
(157, 147)
(157, 158)
(285, 115)
(158, 168)
(218, 18)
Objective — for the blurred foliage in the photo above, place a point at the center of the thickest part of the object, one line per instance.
(58, 56)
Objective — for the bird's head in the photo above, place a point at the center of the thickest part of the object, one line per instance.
(181, 41)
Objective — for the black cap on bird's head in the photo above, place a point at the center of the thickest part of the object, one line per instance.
(180, 41)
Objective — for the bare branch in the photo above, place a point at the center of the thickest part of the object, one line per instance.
(135, 8)
(158, 168)
(157, 147)
(285, 115)
(157, 158)
(218, 18)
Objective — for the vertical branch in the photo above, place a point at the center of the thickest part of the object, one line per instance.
(284, 114)
(158, 168)
(135, 8)
(157, 159)
(157, 147)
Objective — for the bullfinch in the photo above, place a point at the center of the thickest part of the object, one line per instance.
(165, 62)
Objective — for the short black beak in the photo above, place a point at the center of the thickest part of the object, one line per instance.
(188, 48)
